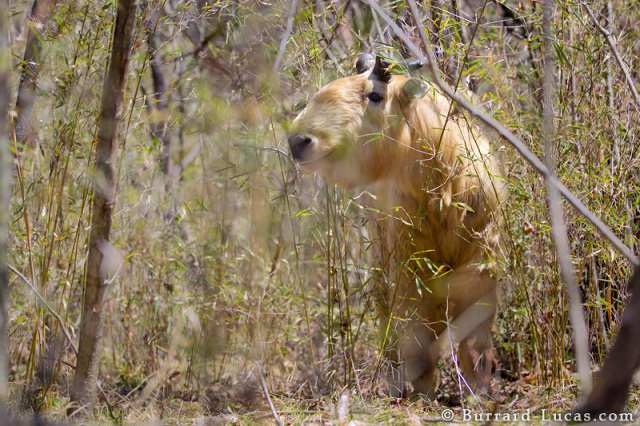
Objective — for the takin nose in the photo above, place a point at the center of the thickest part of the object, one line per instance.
(299, 144)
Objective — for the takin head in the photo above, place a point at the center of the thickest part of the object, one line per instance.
(353, 131)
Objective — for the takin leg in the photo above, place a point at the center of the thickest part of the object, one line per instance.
(412, 359)
(420, 357)
(469, 323)
(475, 354)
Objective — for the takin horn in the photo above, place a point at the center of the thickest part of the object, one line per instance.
(366, 61)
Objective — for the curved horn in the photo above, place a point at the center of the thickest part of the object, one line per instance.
(381, 70)
(365, 62)
(414, 65)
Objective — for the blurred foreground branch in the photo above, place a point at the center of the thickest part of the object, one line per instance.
(159, 101)
(612, 382)
(5, 167)
(51, 310)
(31, 64)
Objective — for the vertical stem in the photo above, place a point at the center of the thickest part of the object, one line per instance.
(330, 282)
(558, 228)
(159, 104)
(5, 167)
(615, 158)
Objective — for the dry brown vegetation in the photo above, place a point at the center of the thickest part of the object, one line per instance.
(234, 272)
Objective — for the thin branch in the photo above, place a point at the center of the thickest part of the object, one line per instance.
(502, 131)
(53, 312)
(612, 44)
(265, 389)
(285, 36)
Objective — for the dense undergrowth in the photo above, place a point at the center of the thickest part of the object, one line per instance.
(237, 270)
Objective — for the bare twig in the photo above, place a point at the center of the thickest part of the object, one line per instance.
(559, 227)
(502, 131)
(612, 44)
(285, 35)
(265, 389)
(53, 312)
(5, 196)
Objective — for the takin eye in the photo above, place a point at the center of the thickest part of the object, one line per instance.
(375, 97)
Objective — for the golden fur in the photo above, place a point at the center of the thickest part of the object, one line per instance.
(437, 192)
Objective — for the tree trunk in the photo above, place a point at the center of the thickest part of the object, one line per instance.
(612, 382)
(29, 74)
(101, 253)
(30, 68)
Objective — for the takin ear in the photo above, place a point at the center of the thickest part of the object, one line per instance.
(415, 88)
(365, 62)
(381, 70)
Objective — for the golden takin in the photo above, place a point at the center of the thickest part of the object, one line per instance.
(437, 186)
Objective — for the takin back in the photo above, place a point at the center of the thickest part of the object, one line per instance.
(436, 186)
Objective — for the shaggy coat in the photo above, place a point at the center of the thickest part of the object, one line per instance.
(436, 186)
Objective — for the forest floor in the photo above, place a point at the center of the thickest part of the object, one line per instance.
(520, 401)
